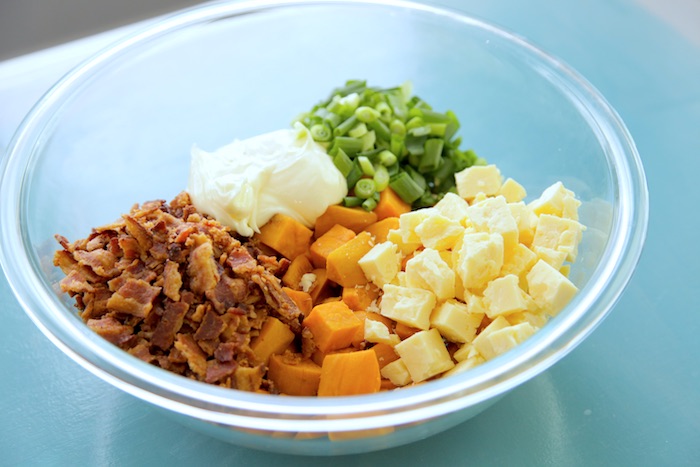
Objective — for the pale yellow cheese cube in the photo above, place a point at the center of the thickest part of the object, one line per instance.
(479, 259)
(526, 221)
(477, 179)
(407, 305)
(427, 270)
(493, 215)
(537, 320)
(453, 207)
(549, 288)
(465, 352)
(410, 220)
(425, 355)
(554, 258)
(381, 263)
(406, 248)
(377, 332)
(512, 191)
(558, 234)
(518, 261)
(439, 232)
(502, 340)
(503, 296)
(454, 322)
(396, 372)
(481, 342)
(476, 304)
(558, 201)
(465, 365)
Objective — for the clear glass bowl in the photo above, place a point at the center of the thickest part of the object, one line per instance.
(118, 130)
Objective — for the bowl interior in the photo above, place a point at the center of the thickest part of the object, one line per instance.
(118, 131)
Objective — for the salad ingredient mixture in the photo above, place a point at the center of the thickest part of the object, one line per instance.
(243, 184)
(252, 281)
(381, 138)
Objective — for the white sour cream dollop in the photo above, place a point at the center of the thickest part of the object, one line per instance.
(243, 184)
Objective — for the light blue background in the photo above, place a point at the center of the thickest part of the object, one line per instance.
(629, 395)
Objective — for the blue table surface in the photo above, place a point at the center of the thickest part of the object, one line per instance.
(628, 395)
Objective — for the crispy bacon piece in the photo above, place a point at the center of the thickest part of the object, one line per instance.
(169, 324)
(135, 298)
(111, 329)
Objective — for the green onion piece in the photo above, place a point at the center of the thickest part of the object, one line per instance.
(366, 114)
(398, 105)
(380, 129)
(347, 125)
(415, 146)
(394, 169)
(443, 177)
(358, 130)
(354, 176)
(381, 178)
(365, 188)
(321, 132)
(437, 129)
(332, 119)
(432, 157)
(407, 189)
(417, 177)
(370, 204)
(387, 158)
(368, 140)
(348, 104)
(397, 146)
(384, 111)
(348, 144)
(366, 165)
(352, 201)
(420, 130)
(397, 127)
(343, 162)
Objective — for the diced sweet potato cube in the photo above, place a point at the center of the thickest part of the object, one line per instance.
(287, 236)
(342, 265)
(360, 298)
(380, 229)
(301, 299)
(324, 245)
(385, 354)
(322, 288)
(355, 219)
(297, 268)
(404, 331)
(350, 373)
(333, 325)
(362, 316)
(274, 338)
(293, 375)
(390, 205)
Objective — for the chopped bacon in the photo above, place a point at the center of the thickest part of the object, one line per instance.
(203, 269)
(196, 359)
(111, 329)
(212, 325)
(135, 297)
(172, 281)
(217, 370)
(169, 324)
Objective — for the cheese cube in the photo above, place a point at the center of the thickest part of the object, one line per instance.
(377, 332)
(396, 372)
(493, 215)
(476, 305)
(549, 288)
(518, 261)
(477, 179)
(406, 248)
(537, 320)
(410, 220)
(503, 296)
(425, 355)
(465, 352)
(556, 200)
(410, 306)
(512, 191)
(453, 207)
(481, 342)
(479, 259)
(558, 234)
(439, 232)
(381, 263)
(552, 257)
(427, 270)
(526, 221)
(454, 322)
(465, 365)
(502, 340)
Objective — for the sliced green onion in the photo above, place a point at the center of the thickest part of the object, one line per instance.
(348, 144)
(366, 165)
(343, 162)
(354, 176)
(370, 204)
(358, 130)
(366, 114)
(321, 132)
(384, 111)
(365, 188)
(347, 125)
(387, 158)
(407, 189)
(368, 140)
(380, 129)
(352, 201)
(381, 177)
(397, 127)
(432, 157)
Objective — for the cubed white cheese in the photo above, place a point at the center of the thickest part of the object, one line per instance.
(453, 207)
(439, 232)
(408, 305)
(406, 248)
(465, 365)
(454, 322)
(427, 270)
(526, 221)
(381, 263)
(503, 296)
(554, 258)
(518, 261)
(477, 179)
(481, 342)
(396, 372)
(558, 234)
(377, 332)
(479, 259)
(502, 340)
(512, 191)
(425, 355)
(557, 201)
(410, 220)
(549, 288)
(493, 215)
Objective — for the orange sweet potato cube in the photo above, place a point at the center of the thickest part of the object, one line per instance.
(380, 229)
(287, 236)
(342, 265)
(324, 245)
(333, 325)
(355, 219)
(350, 373)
